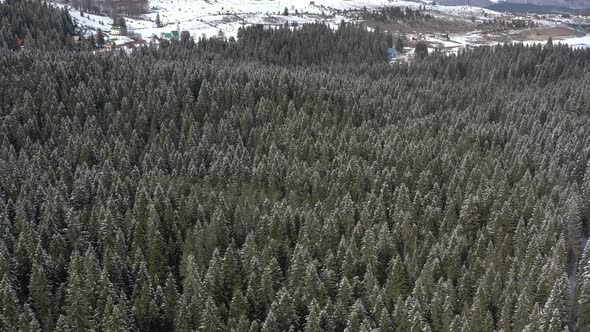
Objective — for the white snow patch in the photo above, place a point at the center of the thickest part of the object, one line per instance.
(576, 42)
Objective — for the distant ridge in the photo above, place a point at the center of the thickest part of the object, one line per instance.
(529, 8)
(537, 6)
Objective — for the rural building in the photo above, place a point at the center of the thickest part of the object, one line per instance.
(392, 53)
(172, 35)
(117, 30)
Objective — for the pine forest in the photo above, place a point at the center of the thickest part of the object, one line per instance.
(291, 180)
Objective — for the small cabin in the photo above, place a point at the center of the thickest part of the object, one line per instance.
(117, 30)
(165, 35)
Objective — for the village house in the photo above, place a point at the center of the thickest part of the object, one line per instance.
(117, 30)
(173, 35)
(136, 43)
(166, 35)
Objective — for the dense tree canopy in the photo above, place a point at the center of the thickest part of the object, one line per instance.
(38, 24)
(181, 189)
(306, 45)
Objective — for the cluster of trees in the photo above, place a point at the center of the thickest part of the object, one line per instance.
(421, 49)
(309, 44)
(509, 24)
(39, 25)
(388, 14)
(112, 7)
(246, 194)
(519, 24)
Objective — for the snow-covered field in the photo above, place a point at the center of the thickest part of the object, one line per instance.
(214, 17)
(473, 39)
(204, 17)
(93, 22)
(201, 17)
(576, 42)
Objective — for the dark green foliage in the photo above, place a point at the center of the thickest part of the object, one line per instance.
(100, 41)
(40, 25)
(399, 45)
(421, 50)
(175, 189)
(158, 21)
(310, 44)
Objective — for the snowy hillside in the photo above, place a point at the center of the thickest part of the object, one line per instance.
(201, 17)
(225, 17)
(209, 18)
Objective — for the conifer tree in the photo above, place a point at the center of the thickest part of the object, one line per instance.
(114, 317)
(397, 283)
(28, 322)
(10, 311)
(77, 309)
(169, 301)
(356, 317)
(158, 21)
(210, 320)
(41, 296)
(399, 45)
(312, 322)
(145, 308)
(583, 291)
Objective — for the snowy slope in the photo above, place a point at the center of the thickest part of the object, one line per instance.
(210, 17)
(89, 21)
